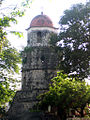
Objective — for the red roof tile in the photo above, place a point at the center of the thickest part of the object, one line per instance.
(41, 21)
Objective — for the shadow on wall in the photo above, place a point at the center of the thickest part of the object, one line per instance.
(29, 116)
(33, 116)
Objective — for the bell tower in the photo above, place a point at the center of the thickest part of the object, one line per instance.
(38, 65)
(40, 60)
(39, 31)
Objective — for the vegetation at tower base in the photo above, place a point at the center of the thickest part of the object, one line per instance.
(9, 56)
(65, 93)
(74, 38)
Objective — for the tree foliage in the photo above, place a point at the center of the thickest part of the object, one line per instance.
(9, 16)
(65, 93)
(9, 56)
(75, 34)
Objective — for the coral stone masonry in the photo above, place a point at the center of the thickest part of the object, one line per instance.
(38, 65)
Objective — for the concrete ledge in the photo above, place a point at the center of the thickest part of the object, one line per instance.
(78, 118)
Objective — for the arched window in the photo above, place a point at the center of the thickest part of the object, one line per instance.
(28, 38)
(39, 37)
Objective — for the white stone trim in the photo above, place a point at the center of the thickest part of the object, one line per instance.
(42, 28)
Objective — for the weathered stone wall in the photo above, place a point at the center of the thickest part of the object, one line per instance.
(24, 101)
(36, 79)
(33, 41)
(39, 67)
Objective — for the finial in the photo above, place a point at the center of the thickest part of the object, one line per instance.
(41, 13)
(42, 10)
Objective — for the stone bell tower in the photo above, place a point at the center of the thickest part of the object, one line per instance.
(38, 64)
(40, 60)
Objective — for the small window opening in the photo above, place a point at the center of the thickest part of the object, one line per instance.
(28, 41)
(39, 37)
(42, 58)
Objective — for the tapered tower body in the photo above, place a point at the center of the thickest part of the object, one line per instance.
(38, 65)
(39, 61)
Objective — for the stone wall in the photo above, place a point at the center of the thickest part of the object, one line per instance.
(33, 41)
(24, 101)
(39, 67)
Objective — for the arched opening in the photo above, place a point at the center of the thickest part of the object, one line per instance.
(42, 58)
(39, 37)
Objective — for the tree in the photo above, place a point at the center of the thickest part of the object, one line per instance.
(65, 93)
(9, 56)
(75, 34)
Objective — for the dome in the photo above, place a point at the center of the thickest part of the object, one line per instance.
(41, 21)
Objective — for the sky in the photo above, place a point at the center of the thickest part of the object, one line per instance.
(52, 8)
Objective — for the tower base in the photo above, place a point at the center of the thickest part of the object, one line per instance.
(23, 102)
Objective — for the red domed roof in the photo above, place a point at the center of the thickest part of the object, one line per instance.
(41, 21)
